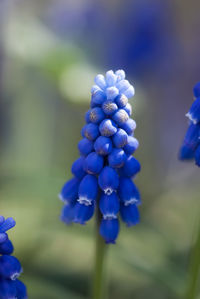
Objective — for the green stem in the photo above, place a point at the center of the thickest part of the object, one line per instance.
(194, 270)
(98, 281)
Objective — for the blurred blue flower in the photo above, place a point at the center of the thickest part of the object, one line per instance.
(10, 267)
(190, 148)
(102, 174)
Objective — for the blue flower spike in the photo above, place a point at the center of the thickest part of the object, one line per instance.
(102, 174)
(10, 267)
(190, 149)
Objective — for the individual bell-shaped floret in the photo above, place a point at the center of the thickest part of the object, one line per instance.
(117, 158)
(128, 109)
(109, 107)
(120, 75)
(85, 146)
(10, 267)
(120, 138)
(83, 212)
(7, 289)
(109, 205)
(190, 142)
(93, 163)
(197, 156)
(121, 100)
(129, 126)
(123, 85)
(107, 128)
(77, 168)
(96, 115)
(6, 224)
(128, 192)
(120, 117)
(98, 98)
(131, 145)
(21, 292)
(194, 112)
(109, 230)
(131, 167)
(129, 93)
(6, 247)
(111, 78)
(112, 92)
(67, 213)
(108, 180)
(196, 90)
(91, 131)
(130, 214)
(88, 190)
(103, 145)
(69, 191)
(100, 81)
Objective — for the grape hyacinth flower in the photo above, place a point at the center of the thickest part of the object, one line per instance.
(102, 175)
(10, 267)
(190, 149)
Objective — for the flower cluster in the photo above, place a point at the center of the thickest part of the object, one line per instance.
(10, 268)
(191, 144)
(103, 172)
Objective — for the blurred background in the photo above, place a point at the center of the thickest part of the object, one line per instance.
(50, 52)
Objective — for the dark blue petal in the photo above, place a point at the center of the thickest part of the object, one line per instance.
(9, 267)
(88, 189)
(85, 146)
(128, 192)
(120, 117)
(109, 230)
(109, 107)
(131, 167)
(131, 146)
(109, 205)
(3, 237)
(107, 128)
(129, 126)
(69, 191)
(21, 289)
(194, 112)
(7, 289)
(96, 115)
(83, 213)
(120, 138)
(130, 214)
(103, 145)
(196, 90)
(2, 219)
(67, 213)
(77, 168)
(197, 156)
(121, 100)
(87, 116)
(93, 163)
(190, 142)
(98, 98)
(6, 247)
(108, 180)
(117, 158)
(7, 224)
(91, 131)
